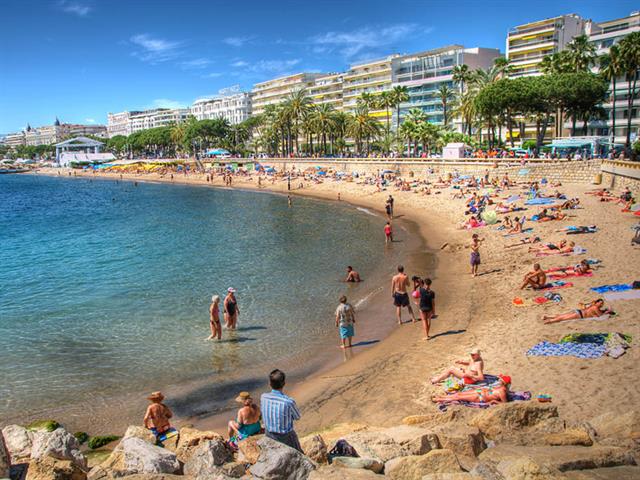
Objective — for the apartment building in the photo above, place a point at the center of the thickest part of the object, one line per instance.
(126, 123)
(14, 140)
(50, 134)
(235, 108)
(279, 89)
(372, 77)
(426, 72)
(327, 90)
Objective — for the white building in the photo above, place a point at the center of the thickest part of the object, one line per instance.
(50, 134)
(126, 123)
(234, 108)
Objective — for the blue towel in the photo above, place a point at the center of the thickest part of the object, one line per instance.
(580, 350)
(620, 287)
(540, 201)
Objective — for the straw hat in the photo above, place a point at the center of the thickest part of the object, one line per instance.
(156, 397)
(474, 351)
(243, 397)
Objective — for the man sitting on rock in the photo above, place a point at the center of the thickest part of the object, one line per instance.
(279, 412)
(157, 418)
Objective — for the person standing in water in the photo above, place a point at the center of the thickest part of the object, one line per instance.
(345, 321)
(214, 318)
(427, 306)
(399, 284)
(289, 200)
(388, 233)
(231, 310)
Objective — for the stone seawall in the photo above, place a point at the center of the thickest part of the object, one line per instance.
(619, 174)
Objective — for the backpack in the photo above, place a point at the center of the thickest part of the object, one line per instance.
(342, 449)
(636, 237)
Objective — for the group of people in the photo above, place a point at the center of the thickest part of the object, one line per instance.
(230, 311)
(422, 294)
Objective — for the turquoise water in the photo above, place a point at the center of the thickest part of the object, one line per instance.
(105, 285)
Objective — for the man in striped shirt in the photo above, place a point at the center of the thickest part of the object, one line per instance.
(279, 412)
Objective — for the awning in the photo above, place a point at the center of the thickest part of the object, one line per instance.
(570, 143)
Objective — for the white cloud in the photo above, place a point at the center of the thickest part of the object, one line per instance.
(89, 120)
(154, 50)
(237, 41)
(166, 103)
(272, 66)
(352, 43)
(212, 75)
(239, 63)
(74, 8)
(195, 63)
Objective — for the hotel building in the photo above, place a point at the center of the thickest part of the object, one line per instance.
(372, 77)
(327, 90)
(50, 134)
(234, 108)
(126, 123)
(278, 90)
(424, 73)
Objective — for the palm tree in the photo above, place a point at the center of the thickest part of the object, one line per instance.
(446, 95)
(178, 135)
(581, 53)
(611, 69)
(466, 110)
(323, 123)
(367, 100)
(399, 95)
(408, 132)
(462, 75)
(298, 105)
(341, 122)
(555, 63)
(630, 53)
(386, 101)
(502, 67)
(362, 128)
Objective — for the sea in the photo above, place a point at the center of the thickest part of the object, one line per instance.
(105, 287)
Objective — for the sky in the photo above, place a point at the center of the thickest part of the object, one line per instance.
(79, 59)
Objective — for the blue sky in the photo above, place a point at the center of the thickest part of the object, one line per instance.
(79, 59)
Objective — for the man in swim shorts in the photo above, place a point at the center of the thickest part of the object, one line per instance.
(537, 279)
(399, 284)
(352, 275)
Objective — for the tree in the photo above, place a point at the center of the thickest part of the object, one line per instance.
(581, 53)
(630, 53)
(611, 68)
(323, 122)
(462, 75)
(298, 105)
(399, 95)
(362, 128)
(385, 102)
(445, 94)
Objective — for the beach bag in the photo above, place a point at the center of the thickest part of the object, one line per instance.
(453, 384)
(342, 448)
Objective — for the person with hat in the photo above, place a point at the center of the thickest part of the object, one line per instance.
(470, 372)
(214, 318)
(231, 310)
(490, 394)
(157, 416)
(247, 422)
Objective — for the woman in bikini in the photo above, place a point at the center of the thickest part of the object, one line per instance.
(231, 309)
(548, 247)
(214, 318)
(490, 395)
(247, 422)
(591, 310)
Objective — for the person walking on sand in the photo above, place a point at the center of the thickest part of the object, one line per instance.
(214, 318)
(231, 310)
(279, 412)
(475, 253)
(427, 306)
(388, 233)
(345, 321)
(399, 284)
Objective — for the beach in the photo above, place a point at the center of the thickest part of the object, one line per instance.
(390, 380)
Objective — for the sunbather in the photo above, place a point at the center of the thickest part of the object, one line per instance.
(591, 310)
(537, 279)
(471, 372)
(581, 268)
(524, 241)
(548, 247)
(517, 226)
(581, 229)
(490, 395)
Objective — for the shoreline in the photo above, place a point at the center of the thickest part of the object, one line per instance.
(305, 376)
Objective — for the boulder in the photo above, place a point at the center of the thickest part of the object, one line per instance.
(501, 421)
(60, 445)
(624, 426)
(416, 440)
(18, 441)
(5, 461)
(43, 426)
(134, 431)
(249, 450)
(375, 465)
(280, 462)
(461, 439)
(49, 468)
(414, 467)
(376, 445)
(134, 455)
(337, 473)
(314, 447)
(573, 436)
(207, 457)
(234, 469)
(190, 438)
(157, 476)
(614, 473)
(334, 433)
(562, 458)
(452, 476)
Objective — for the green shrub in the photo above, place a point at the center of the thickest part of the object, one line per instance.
(43, 426)
(82, 437)
(101, 440)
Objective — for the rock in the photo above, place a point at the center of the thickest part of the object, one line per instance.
(49, 468)
(280, 462)
(234, 469)
(134, 431)
(157, 476)
(207, 457)
(452, 476)
(525, 468)
(373, 464)
(5, 460)
(334, 433)
(43, 426)
(376, 445)
(414, 467)
(461, 440)
(338, 473)
(416, 419)
(499, 422)
(314, 447)
(575, 436)
(416, 440)
(190, 438)
(60, 445)
(18, 442)
(617, 426)
(249, 450)
(614, 473)
(171, 443)
(101, 440)
(134, 455)
(562, 458)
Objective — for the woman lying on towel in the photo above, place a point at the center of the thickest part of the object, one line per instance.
(550, 247)
(491, 395)
(581, 268)
(591, 310)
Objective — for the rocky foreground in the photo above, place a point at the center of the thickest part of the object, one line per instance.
(521, 440)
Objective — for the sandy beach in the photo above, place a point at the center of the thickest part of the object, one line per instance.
(390, 380)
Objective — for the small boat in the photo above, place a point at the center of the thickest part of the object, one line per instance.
(13, 170)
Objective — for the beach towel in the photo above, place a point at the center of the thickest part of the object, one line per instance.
(615, 343)
(540, 201)
(624, 295)
(579, 350)
(524, 230)
(520, 396)
(618, 287)
(512, 198)
(576, 251)
(569, 273)
(556, 285)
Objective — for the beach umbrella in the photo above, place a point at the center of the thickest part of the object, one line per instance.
(490, 217)
(388, 171)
